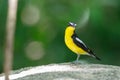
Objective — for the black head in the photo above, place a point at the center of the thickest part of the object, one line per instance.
(71, 24)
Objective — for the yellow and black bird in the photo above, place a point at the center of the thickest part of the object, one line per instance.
(75, 44)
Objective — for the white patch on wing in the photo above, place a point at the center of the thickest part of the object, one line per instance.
(80, 41)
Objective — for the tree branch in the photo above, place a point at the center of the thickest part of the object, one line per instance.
(10, 29)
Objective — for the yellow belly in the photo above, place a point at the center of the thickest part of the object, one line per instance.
(70, 44)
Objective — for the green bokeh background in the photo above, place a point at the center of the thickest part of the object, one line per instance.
(101, 31)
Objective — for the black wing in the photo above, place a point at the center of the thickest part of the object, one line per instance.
(82, 45)
(79, 43)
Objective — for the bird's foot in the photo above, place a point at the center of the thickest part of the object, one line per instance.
(76, 62)
(80, 62)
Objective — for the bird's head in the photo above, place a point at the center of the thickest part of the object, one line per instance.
(70, 29)
(71, 24)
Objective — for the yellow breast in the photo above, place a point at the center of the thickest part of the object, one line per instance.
(69, 41)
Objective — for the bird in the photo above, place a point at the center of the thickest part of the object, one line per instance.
(75, 44)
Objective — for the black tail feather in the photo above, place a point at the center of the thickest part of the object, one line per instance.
(93, 55)
(97, 58)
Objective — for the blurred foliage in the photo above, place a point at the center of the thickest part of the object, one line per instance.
(39, 36)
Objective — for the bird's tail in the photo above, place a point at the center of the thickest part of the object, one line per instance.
(93, 55)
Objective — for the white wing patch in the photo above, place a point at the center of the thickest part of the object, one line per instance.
(80, 41)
